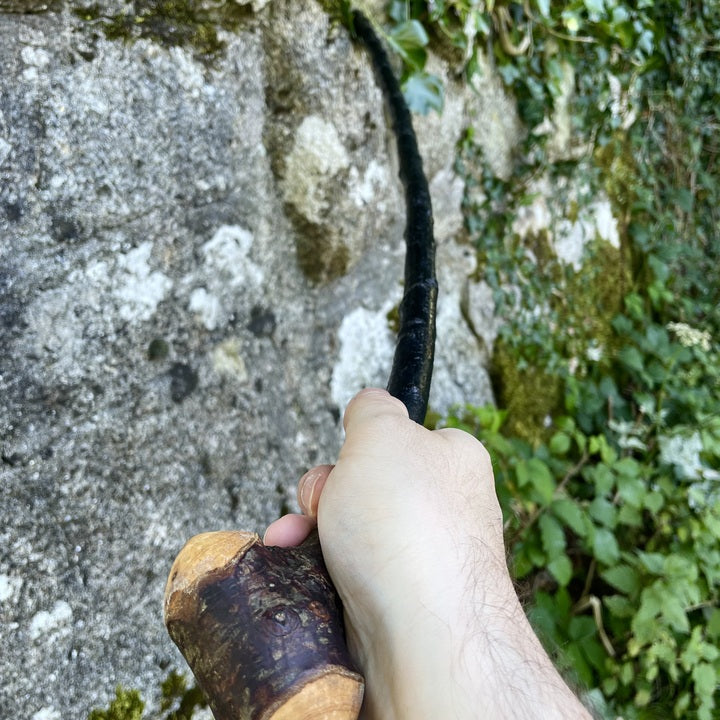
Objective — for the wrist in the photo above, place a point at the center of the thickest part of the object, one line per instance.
(457, 655)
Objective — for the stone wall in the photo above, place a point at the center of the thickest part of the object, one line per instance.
(198, 253)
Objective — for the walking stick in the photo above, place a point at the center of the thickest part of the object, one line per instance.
(262, 627)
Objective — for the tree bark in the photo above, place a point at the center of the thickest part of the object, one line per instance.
(262, 629)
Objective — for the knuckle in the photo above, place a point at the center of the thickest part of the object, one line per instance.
(467, 446)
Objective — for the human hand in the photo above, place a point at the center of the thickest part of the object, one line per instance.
(411, 531)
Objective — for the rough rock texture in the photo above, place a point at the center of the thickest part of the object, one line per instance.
(196, 263)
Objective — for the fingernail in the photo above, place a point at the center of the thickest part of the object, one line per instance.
(308, 485)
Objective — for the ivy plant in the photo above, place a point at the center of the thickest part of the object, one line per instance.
(614, 521)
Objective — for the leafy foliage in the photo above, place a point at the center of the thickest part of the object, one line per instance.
(612, 507)
(614, 522)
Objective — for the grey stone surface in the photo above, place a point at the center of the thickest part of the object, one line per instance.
(167, 366)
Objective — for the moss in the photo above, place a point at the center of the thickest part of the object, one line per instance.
(320, 257)
(338, 10)
(619, 170)
(593, 297)
(393, 319)
(527, 392)
(584, 304)
(171, 23)
(158, 349)
(178, 701)
(177, 695)
(127, 705)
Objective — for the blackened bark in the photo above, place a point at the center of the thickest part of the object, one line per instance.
(413, 362)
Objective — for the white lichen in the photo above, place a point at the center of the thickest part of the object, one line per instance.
(9, 588)
(227, 255)
(48, 623)
(482, 314)
(447, 190)
(365, 355)
(365, 191)
(594, 222)
(228, 361)
(36, 59)
(47, 713)
(569, 237)
(536, 217)
(257, 5)
(5, 149)
(315, 159)
(139, 288)
(206, 307)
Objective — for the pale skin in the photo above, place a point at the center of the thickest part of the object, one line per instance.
(412, 535)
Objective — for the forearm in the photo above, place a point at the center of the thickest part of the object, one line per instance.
(524, 683)
(463, 657)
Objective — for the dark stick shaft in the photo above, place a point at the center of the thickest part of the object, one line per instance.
(413, 362)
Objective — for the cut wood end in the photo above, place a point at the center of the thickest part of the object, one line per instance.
(336, 695)
(202, 554)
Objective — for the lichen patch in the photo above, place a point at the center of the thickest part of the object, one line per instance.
(48, 623)
(140, 290)
(366, 348)
(316, 157)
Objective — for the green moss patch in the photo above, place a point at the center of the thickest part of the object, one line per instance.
(171, 23)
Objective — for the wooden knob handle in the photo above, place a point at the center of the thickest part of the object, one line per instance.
(261, 628)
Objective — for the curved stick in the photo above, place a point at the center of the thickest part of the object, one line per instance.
(261, 627)
(413, 362)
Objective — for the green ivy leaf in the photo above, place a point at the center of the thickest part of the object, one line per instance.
(603, 478)
(629, 516)
(571, 514)
(705, 678)
(674, 612)
(410, 34)
(603, 511)
(623, 578)
(542, 479)
(552, 535)
(581, 627)
(424, 92)
(713, 624)
(627, 467)
(631, 490)
(561, 569)
(522, 472)
(559, 444)
(630, 357)
(652, 562)
(536, 555)
(644, 623)
(409, 40)
(605, 547)
(583, 671)
(619, 606)
(654, 501)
